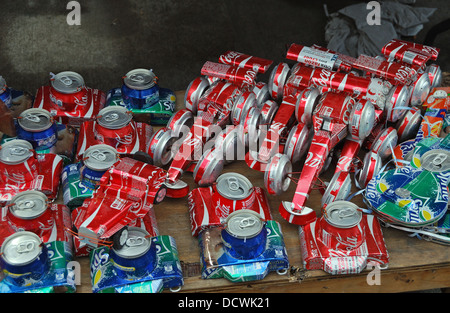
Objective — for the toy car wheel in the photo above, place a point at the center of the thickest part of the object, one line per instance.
(120, 238)
(160, 195)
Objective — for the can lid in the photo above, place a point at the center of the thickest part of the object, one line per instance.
(234, 186)
(436, 160)
(306, 103)
(366, 120)
(140, 79)
(277, 80)
(35, 120)
(420, 90)
(244, 224)
(341, 181)
(268, 110)
(29, 204)
(136, 244)
(297, 142)
(21, 248)
(191, 97)
(372, 161)
(100, 157)
(162, 148)
(114, 117)
(15, 151)
(342, 214)
(67, 82)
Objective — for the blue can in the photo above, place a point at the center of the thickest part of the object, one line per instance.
(244, 235)
(136, 257)
(140, 89)
(97, 159)
(37, 127)
(24, 258)
(5, 93)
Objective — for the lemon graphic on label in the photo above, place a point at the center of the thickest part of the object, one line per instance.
(404, 202)
(382, 187)
(98, 275)
(426, 214)
(416, 162)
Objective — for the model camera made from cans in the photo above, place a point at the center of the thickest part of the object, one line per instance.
(36, 250)
(69, 100)
(143, 264)
(237, 236)
(141, 94)
(23, 169)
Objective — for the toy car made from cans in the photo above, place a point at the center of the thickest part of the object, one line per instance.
(141, 94)
(69, 100)
(126, 192)
(343, 240)
(143, 264)
(23, 169)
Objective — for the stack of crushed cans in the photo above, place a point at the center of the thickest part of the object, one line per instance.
(380, 117)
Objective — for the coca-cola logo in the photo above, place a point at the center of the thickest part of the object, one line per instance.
(228, 58)
(323, 79)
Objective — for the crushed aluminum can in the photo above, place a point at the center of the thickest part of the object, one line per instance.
(194, 92)
(372, 164)
(261, 90)
(385, 142)
(338, 188)
(208, 168)
(362, 120)
(408, 126)
(160, 149)
(397, 102)
(306, 103)
(181, 120)
(277, 80)
(97, 160)
(276, 176)
(402, 196)
(241, 107)
(268, 111)
(420, 89)
(434, 72)
(297, 142)
(241, 77)
(38, 127)
(246, 61)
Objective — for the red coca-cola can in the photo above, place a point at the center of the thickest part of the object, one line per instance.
(385, 142)
(338, 188)
(334, 107)
(179, 189)
(313, 57)
(261, 90)
(372, 164)
(67, 90)
(194, 92)
(241, 107)
(246, 61)
(276, 176)
(29, 211)
(208, 168)
(362, 119)
(18, 162)
(299, 77)
(268, 111)
(420, 89)
(409, 52)
(113, 126)
(306, 103)
(397, 102)
(393, 72)
(434, 72)
(241, 77)
(222, 94)
(160, 147)
(297, 142)
(277, 79)
(183, 118)
(339, 226)
(233, 190)
(409, 125)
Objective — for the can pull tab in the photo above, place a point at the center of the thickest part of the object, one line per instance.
(32, 118)
(25, 204)
(247, 222)
(111, 117)
(66, 80)
(19, 151)
(98, 155)
(135, 241)
(439, 159)
(344, 213)
(137, 78)
(233, 185)
(25, 247)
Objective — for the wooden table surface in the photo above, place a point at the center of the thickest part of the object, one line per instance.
(414, 264)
